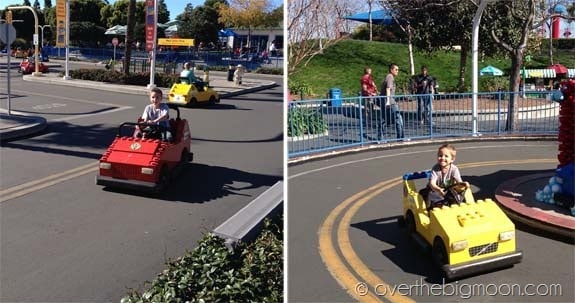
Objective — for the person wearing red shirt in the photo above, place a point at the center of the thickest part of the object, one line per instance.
(368, 92)
(368, 87)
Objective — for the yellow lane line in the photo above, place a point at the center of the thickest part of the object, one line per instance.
(26, 188)
(330, 257)
(351, 257)
(337, 267)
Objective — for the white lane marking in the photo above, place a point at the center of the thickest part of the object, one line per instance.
(403, 154)
(91, 115)
(68, 98)
(48, 106)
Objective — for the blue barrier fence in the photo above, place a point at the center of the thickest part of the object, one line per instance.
(210, 58)
(339, 123)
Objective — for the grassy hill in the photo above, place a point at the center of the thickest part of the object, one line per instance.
(341, 66)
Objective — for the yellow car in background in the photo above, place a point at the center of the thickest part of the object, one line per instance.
(465, 236)
(192, 94)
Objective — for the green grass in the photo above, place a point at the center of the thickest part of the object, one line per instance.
(341, 66)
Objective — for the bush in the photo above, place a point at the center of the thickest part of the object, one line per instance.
(141, 79)
(299, 88)
(211, 273)
(302, 121)
(493, 84)
(269, 71)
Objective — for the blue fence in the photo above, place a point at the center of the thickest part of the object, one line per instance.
(211, 58)
(338, 123)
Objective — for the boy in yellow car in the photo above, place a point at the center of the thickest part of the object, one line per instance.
(443, 174)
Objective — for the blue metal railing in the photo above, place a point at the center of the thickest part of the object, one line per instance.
(358, 121)
(211, 58)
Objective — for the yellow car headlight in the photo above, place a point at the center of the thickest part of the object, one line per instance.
(459, 245)
(147, 171)
(105, 165)
(506, 235)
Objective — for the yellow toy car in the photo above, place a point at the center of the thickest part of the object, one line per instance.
(465, 236)
(194, 93)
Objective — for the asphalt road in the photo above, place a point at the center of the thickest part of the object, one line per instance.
(64, 239)
(344, 238)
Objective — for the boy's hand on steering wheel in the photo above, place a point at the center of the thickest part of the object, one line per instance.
(442, 192)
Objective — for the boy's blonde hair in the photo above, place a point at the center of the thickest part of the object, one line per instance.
(450, 148)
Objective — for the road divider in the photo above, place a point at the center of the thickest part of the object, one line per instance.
(246, 224)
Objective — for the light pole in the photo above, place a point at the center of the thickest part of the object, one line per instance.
(474, 55)
(42, 32)
(37, 72)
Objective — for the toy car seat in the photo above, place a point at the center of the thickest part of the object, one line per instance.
(184, 80)
(199, 85)
(174, 130)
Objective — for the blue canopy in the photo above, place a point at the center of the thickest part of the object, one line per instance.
(226, 33)
(377, 17)
(490, 71)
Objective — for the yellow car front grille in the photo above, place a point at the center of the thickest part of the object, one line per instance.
(483, 249)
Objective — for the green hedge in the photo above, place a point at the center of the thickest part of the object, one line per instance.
(212, 273)
(142, 79)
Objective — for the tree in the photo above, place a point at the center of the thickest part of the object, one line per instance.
(201, 23)
(248, 14)
(510, 24)
(26, 3)
(129, 37)
(276, 17)
(86, 11)
(314, 25)
(437, 25)
(116, 14)
(36, 5)
(47, 4)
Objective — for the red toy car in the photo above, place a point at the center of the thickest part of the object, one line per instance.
(145, 163)
(28, 67)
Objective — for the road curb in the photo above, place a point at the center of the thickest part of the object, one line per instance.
(34, 125)
(246, 224)
(392, 145)
(248, 90)
(515, 207)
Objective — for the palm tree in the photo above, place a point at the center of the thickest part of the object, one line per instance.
(129, 36)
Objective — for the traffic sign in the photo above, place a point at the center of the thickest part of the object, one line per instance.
(115, 41)
(7, 33)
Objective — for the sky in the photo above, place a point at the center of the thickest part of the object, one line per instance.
(176, 7)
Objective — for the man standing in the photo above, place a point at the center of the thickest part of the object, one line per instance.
(392, 113)
(424, 88)
(272, 49)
